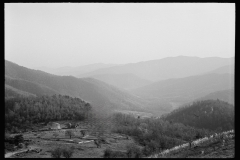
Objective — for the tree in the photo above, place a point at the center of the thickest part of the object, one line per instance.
(69, 133)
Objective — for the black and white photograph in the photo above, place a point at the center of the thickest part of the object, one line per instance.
(119, 80)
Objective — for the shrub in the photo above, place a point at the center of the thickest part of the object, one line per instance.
(133, 151)
(69, 133)
(151, 147)
(67, 153)
(18, 139)
(108, 153)
(9, 147)
(56, 153)
(55, 134)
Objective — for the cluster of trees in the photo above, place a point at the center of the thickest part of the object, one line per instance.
(23, 113)
(213, 115)
(155, 134)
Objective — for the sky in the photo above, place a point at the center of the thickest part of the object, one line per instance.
(74, 34)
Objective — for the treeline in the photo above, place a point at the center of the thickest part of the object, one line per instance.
(155, 134)
(213, 115)
(23, 113)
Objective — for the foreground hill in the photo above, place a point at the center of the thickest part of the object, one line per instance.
(123, 81)
(186, 89)
(171, 67)
(98, 93)
(224, 95)
(208, 114)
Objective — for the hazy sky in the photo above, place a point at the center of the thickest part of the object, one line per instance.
(75, 34)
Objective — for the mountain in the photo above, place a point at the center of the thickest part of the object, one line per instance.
(75, 71)
(208, 114)
(225, 69)
(224, 95)
(102, 96)
(166, 68)
(11, 92)
(186, 89)
(123, 81)
(29, 87)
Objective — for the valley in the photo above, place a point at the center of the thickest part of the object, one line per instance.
(128, 115)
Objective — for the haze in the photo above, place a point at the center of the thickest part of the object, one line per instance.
(75, 34)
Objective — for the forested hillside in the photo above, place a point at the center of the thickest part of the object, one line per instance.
(23, 113)
(209, 114)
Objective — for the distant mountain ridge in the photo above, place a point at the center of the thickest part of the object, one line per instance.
(186, 89)
(123, 81)
(224, 95)
(170, 67)
(75, 71)
(225, 69)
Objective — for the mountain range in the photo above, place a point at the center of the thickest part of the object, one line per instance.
(131, 86)
(166, 68)
(99, 94)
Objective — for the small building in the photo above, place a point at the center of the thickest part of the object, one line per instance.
(54, 125)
